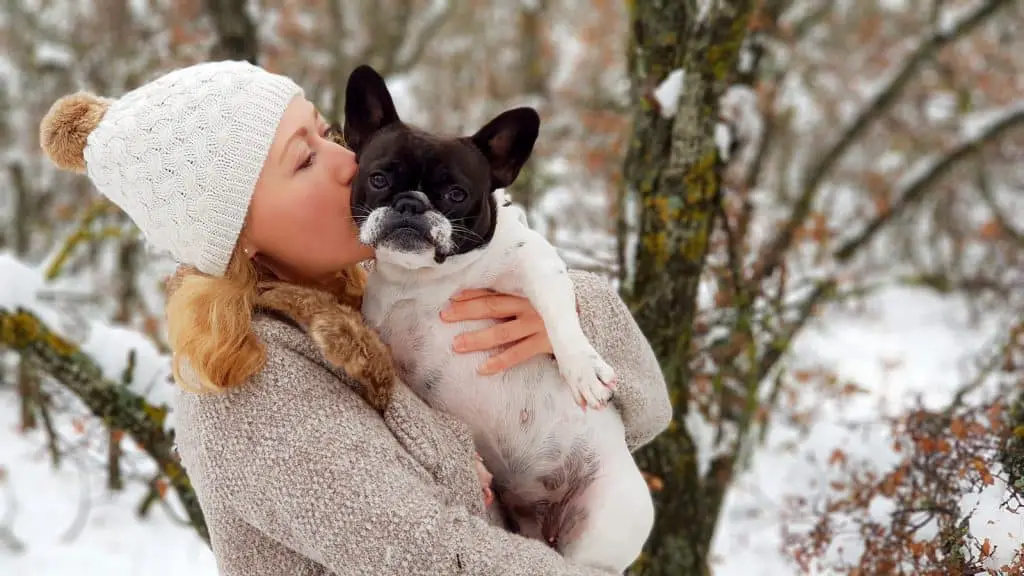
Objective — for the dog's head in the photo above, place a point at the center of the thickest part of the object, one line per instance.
(419, 198)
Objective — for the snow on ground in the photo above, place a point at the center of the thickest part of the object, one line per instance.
(926, 337)
(49, 505)
(911, 344)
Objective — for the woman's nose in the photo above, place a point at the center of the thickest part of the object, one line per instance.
(345, 164)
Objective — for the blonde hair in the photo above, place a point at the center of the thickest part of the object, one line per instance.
(209, 323)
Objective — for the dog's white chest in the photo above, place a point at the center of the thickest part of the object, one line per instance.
(421, 345)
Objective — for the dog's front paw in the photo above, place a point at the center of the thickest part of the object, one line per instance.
(590, 379)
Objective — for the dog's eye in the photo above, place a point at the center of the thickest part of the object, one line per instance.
(378, 180)
(456, 194)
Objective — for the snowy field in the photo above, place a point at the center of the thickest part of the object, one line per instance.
(62, 522)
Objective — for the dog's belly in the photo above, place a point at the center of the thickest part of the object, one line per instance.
(540, 446)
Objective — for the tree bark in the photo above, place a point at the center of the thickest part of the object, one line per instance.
(28, 380)
(534, 72)
(236, 33)
(128, 297)
(673, 168)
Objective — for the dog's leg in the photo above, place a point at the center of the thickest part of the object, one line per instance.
(543, 278)
(619, 516)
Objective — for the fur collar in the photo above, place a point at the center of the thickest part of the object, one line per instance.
(329, 312)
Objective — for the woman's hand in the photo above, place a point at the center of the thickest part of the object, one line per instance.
(485, 481)
(521, 328)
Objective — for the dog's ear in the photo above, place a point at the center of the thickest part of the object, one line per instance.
(368, 106)
(507, 142)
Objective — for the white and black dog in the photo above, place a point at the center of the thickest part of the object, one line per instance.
(432, 208)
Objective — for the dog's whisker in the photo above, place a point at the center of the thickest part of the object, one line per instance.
(462, 230)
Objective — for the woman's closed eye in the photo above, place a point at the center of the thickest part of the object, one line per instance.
(308, 161)
(322, 128)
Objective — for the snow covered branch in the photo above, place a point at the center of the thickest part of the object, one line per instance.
(117, 406)
(882, 102)
(922, 178)
(912, 188)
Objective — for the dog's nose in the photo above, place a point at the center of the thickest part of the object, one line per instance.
(411, 204)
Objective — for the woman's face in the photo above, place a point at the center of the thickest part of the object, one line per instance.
(300, 219)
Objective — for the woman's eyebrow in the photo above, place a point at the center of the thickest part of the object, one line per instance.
(301, 133)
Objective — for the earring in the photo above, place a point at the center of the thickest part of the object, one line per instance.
(246, 252)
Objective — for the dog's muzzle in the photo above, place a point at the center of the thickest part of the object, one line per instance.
(410, 225)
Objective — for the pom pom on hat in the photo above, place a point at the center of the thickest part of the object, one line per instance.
(179, 154)
(66, 127)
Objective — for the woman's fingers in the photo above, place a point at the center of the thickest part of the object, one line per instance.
(523, 328)
(494, 336)
(473, 293)
(517, 354)
(490, 306)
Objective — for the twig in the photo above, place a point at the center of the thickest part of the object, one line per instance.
(919, 184)
(1005, 226)
(7, 536)
(84, 505)
(51, 433)
(409, 53)
(781, 343)
(80, 235)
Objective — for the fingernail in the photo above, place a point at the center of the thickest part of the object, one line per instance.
(487, 368)
(458, 344)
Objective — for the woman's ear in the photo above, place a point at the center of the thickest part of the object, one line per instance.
(246, 248)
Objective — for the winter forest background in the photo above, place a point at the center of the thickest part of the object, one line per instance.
(815, 209)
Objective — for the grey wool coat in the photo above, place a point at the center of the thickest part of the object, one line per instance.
(297, 475)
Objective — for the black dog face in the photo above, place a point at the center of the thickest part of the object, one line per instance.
(419, 198)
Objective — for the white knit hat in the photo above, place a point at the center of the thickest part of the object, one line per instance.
(180, 154)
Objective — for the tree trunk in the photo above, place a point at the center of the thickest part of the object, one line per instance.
(236, 33)
(28, 380)
(673, 168)
(128, 298)
(534, 76)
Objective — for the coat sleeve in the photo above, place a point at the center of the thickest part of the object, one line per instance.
(328, 479)
(642, 394)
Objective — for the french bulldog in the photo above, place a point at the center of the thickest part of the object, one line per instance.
(433, 208)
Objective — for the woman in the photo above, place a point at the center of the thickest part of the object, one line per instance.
(227, 167)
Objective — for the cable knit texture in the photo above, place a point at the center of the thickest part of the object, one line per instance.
(298, 475)
(182, 153)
